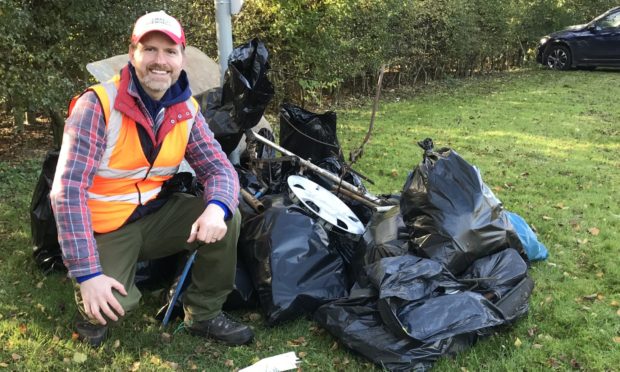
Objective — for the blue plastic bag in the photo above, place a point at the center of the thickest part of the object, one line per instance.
(535, 250)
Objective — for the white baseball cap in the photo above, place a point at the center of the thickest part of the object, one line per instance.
(158, 21)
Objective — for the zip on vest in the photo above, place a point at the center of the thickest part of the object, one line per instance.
(146, 175)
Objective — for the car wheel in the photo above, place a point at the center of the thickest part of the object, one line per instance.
(558, 57)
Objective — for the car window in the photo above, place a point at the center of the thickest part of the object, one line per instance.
(611, 21)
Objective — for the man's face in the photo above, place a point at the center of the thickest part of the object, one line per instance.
(158, 62)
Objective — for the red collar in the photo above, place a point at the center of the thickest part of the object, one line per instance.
(128, 103)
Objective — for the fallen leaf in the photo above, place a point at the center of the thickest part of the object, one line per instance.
(79, 357)
(55, 338)
(394, 173)
(463, 369)
(173, 365)
(600, 275)
(135, 366)
(166, 338)
(66, 360)
(200, 349)
(75, 336)
(537, 346)
(560, 206)
(582, 241)
(552, 362)
(302, 354)
(525, 174)
(545, 337)
(594, 231)
(614, 303)
(317, 330)
(575, 364)
(618, 312)
(155, 360)
(600, 297)
(229, 363)
(301, 341)
(23, 328)
(4, 365)
(117, 344)
(334, 346)
(547, 218)
(518, 343)
(16, 357)
(591, 297)
(254, 317)
(40, 285)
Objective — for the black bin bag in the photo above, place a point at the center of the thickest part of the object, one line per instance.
(356, 323)
(419, 298)
(496, 274)
(287, 255)
(241, 102)
(386, 236)
(309, 135)
(46, 252)
(243, 295)
(453, 216)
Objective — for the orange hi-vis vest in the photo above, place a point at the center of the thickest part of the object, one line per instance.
(125, 179)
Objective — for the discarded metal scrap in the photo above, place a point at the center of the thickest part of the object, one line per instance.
(373, 200)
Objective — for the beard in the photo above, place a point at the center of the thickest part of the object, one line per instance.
(159, 83)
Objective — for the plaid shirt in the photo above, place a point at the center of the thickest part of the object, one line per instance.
(83, 145)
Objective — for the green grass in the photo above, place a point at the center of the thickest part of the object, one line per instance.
(547, 143)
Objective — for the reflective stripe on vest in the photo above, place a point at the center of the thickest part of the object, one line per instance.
(125, 178)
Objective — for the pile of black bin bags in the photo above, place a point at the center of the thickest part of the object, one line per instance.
(428, 278)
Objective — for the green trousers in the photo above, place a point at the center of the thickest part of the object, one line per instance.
(164, 233)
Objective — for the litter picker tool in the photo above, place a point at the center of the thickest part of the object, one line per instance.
(179, 287)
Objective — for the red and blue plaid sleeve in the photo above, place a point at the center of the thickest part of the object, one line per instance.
(204, 154)
(82, 148)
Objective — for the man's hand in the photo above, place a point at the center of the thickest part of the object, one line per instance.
(97, 296)
(210, 226)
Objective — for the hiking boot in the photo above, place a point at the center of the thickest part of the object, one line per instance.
(93, 334)
(223, 329)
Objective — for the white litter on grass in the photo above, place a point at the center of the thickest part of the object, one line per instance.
(277, 363)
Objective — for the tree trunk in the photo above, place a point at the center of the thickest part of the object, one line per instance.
(19, 115)
(58, 124)
(31, 116)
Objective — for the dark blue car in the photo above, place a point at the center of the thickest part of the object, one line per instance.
(591, 45)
